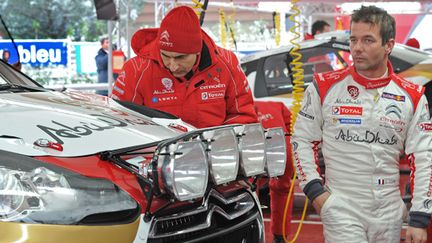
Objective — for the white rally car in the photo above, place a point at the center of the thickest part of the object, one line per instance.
(80, 167)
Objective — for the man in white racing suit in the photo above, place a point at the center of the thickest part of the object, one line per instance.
(365, 116)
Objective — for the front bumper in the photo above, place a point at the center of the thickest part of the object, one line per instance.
(44, 233)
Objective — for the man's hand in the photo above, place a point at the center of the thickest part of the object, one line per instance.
(416, 235)
(319, 201)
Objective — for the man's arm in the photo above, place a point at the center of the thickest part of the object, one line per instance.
(418, 147)
(305, 140)
(239, 101)
(126, 87)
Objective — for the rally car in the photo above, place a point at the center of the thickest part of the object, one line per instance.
(270, 73)
(78, 167)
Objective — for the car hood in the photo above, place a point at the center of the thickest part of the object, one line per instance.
(83, 124)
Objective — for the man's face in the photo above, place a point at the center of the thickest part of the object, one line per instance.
(6, 56)
(105, 44)
(179, 64)
(368, 53)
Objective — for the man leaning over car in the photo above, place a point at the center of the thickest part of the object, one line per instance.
(179, 69)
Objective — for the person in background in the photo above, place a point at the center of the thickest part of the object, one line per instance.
(179, 69)
(366, 116)
(318, 27)
(6, 57)
(276, 114)
(102, 64)
(413, 42)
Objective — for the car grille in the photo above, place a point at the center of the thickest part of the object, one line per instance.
(234, 219)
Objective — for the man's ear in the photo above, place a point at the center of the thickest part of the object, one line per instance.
(389, 46)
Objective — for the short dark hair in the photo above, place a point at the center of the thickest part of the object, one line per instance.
(103, 39)
(319, 25)
(376, 16)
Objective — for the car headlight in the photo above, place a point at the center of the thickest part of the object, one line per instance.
(35, 192)
(183, 168)
(275, 152)
(223, 154)
(252, 149)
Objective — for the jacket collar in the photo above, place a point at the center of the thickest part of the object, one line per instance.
(372, 83)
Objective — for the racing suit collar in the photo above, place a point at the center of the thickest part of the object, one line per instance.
(372, 83)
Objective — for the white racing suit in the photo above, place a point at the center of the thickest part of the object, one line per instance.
(364, 126)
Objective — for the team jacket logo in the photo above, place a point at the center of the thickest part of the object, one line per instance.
(353, 91)
(347, 110)
(168, 83)
(164, 39)
(393, 109)
(390, 96)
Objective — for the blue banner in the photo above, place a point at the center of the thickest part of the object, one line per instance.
(37, 52)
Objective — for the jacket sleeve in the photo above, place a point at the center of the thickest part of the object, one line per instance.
(305, 140)
(239, 101)
(418, 147)
(126, 87)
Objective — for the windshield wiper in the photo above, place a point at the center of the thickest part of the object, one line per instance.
(19, 88)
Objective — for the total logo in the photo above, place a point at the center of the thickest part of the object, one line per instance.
(212, 95)
(347, 110)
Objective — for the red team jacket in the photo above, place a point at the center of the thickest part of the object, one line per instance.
(218, 92)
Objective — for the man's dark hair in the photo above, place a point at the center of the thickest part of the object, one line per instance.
(376, 16)
(319, 25)
(103, 39)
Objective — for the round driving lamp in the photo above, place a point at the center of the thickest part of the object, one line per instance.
(223, 154)
(183, 170)
(252, 149)
(275, 152)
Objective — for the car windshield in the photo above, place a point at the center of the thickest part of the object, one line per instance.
(8, 75)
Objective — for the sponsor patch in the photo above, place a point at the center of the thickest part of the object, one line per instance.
(349, 121)
(367, 137)
(393, 109)
(348, 101)
(306, 115)
(167, 83)
(167, 98)
(347, 110)
(353, 91)
(390, 96)
(213, 95)
(427, 127)
(212, 86)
